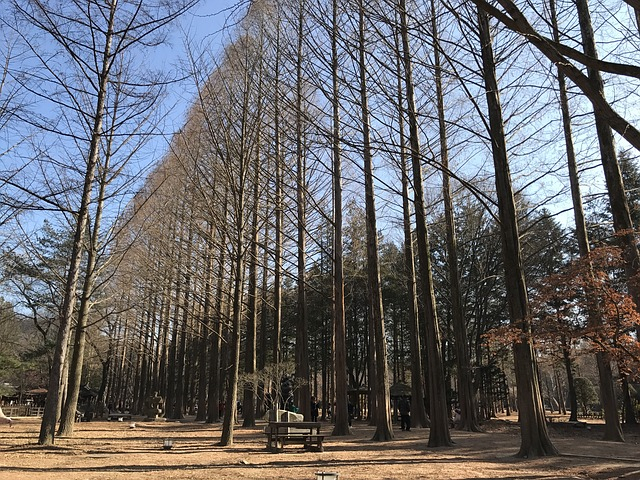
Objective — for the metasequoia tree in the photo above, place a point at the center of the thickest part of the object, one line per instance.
(184, 301)
(278, 200)
(68, 415)
(622, 223)
(303, 395)
(92, 40)
(230, 112)
(535, 439)
(207, 323)
(418, 411)
(383, 411)
(261, 13)
(613, 431)
(466, 400)
(49, 418)
(439, 435)
(249, 404)
(338, 308)
(215, 372)
(179, 293)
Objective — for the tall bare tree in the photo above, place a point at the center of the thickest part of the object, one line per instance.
(466, 399)
(439, 435)
(339, 327)
(613, 430)
(418, 410)
(535, 439)
(383, 406)
(92, 39)
(302, 325)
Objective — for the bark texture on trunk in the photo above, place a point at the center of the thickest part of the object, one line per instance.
(613, 431)
(303, 394)
(230, 410)
(68, 416)
(439, 435)
(383, 403)
(249, 397)
(340, 412)
(53, 401)
(468, 413)
(419, 416)
(573, 399)
(535, 439)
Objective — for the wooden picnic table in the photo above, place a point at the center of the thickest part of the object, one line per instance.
(281, 433)
(118, 416)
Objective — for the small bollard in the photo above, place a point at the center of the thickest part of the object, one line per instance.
(327, 475)
(167, 444)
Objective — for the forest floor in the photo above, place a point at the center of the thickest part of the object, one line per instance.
(115, 450)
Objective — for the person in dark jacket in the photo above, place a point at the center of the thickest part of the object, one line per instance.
(351, 409)
(315, 409)
(404, 407)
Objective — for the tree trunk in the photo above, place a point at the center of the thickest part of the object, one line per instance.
(468, 414)
(170, 398)
(613, 430)
(207, 325)
(232, 379)
(185, 306)
(535, 439)
(629, 415)
(302, 341)
(68, 417)
(383, 418)
(439, 435)
(181, 352)
(215, 371)
(249, 399)
(264, 318)
(418, 411)
(573, 401)
(279, 212)
(340, 412)
(49, 418)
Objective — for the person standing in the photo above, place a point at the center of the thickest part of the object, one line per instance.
(351, 409)
(315, 409)
(404, 408)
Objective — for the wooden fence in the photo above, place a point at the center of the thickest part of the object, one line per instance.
(22, 411)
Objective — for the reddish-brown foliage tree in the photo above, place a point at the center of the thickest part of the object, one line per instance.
(560, 304)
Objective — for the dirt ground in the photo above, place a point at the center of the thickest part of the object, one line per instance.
(115, 450)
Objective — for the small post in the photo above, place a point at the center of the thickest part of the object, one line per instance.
(327, 475)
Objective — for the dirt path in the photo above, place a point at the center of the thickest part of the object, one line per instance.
(114, 450)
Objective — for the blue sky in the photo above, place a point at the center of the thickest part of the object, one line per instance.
(206, 27)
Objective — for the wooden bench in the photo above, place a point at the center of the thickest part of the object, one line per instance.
(280, 434)
(119, 416)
